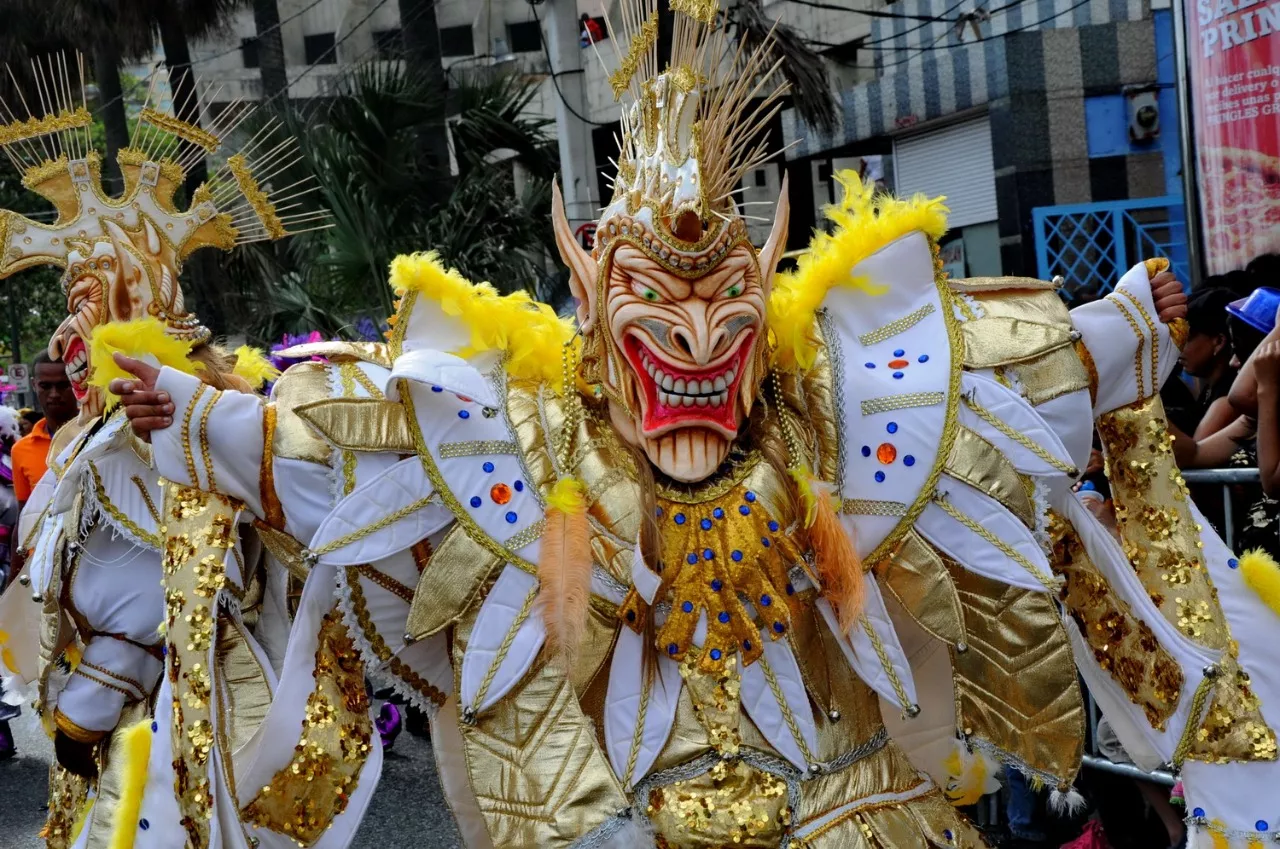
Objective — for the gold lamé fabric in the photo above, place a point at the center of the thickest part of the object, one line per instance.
(1124, 646)
(731, 804)
(360, 424)
(917, 577)
(978, 463)
(200, 533)
(304, 797)
(1016, 680)
(294, 439)
(246, 690)
(1161, 538)
(539, 775)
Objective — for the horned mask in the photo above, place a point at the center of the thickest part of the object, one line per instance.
(672, 299)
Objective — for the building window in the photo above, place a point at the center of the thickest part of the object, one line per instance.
(388, 43)
(249, 52)
(320, 49)
(457, 41)
(525, 37)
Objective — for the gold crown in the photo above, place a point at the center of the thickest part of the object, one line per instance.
(55, 154)
(690, 132)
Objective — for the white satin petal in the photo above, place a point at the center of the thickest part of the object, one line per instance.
(766, 708)
(627, 673)
(497, 618)
(1020, 417)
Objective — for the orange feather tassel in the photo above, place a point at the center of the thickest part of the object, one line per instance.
(839, 568)
(564, 570)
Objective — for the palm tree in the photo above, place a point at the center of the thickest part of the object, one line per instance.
(271, 62)
(802, 68)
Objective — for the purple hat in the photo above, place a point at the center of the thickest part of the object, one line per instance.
(1258, 310)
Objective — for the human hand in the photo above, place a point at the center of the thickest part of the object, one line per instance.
(146, 408)
(1266, 363)
(1169, 297)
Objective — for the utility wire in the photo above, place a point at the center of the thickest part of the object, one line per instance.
(555, 75)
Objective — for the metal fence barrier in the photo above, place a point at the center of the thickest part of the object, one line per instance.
(1228, 479)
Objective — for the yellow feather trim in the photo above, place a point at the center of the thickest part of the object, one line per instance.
(142, 339)
(865, 222)
(1217, 836)
(809, 498)
(135, 748)
(569, 496)
(529, 332)
(254, 367)
(72, 655)
(1262, 575)
(970, 775)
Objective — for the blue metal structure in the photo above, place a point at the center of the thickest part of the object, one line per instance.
(1092, 244)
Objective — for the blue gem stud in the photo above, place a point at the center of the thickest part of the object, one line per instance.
(488, 467)
(437, 389)
(1261, 825)
(892, 427)
(866, 451)
(1197, 812)
(716, 584)
(899, 353)
(631, 616)
(897, 375)
(706, 524)
(511, 518)
(672, 649)
(475, 501)
(871, 365)
(908, 460)
(687, 607)
(745, 509)
(773, 526)
(519, 486)
(778, 627)
(924, 358)
(463, 414)
(679, 517)
(1233, 563)
(765, 601)
(154, 727)
(708, 554)
(143, 824)
(791, 590)
(691, 559)
(879, 477)
(715, 654)
(765, 542)
(724, 616)
(718, 513)
(751, 496)
(746, 645)
(736, 555)
(947, 834)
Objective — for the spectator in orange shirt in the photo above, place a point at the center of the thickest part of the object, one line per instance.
(57, 400)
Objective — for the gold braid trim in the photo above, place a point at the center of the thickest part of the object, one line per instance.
(792, 725)
(1192, 727)
(504, 649)
(883, 656)
(398, 668)
(638, 736)
(187, 415)
(146, 496)
(898, 325)
(211, 483)
(1004, 548)
(385, 522)
(889, 403)
(47, 170)
(182, 129)
(35, 127)
(257, 198)
(1139, 371)
(1155, 338)
(387, 582)
(100, 495)
(1018, 437)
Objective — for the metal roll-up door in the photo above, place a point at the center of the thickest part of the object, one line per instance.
(954, 161)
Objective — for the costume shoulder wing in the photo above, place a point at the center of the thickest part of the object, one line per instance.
(942, 468)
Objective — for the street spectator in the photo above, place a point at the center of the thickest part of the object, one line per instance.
(1207, 356)
(591, 31)
(27, 419)
(58, 401)
(1266, 369)
(8, 521)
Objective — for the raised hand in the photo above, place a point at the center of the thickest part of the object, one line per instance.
(1169, 297)
(146, 408)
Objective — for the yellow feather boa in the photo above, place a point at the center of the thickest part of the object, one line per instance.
(865, 223)
(530, 333)
(142, 339)
(253, 366)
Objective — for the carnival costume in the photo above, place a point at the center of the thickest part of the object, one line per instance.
(741, 559)
(157, 660)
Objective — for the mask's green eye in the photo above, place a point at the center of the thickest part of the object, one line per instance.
(649, 294)
(733, 291)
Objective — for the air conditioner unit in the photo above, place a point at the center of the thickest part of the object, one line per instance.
(1144, 113)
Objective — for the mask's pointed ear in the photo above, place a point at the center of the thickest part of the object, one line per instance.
(582, 268)
(776, 246)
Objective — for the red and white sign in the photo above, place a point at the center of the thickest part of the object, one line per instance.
(1233, 48)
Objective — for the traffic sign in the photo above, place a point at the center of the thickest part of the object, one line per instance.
(20, 376)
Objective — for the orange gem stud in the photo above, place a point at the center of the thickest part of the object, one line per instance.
(500, 493)
(886, 453)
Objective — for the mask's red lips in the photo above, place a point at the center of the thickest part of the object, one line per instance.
(75, 360)
(676, 396)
